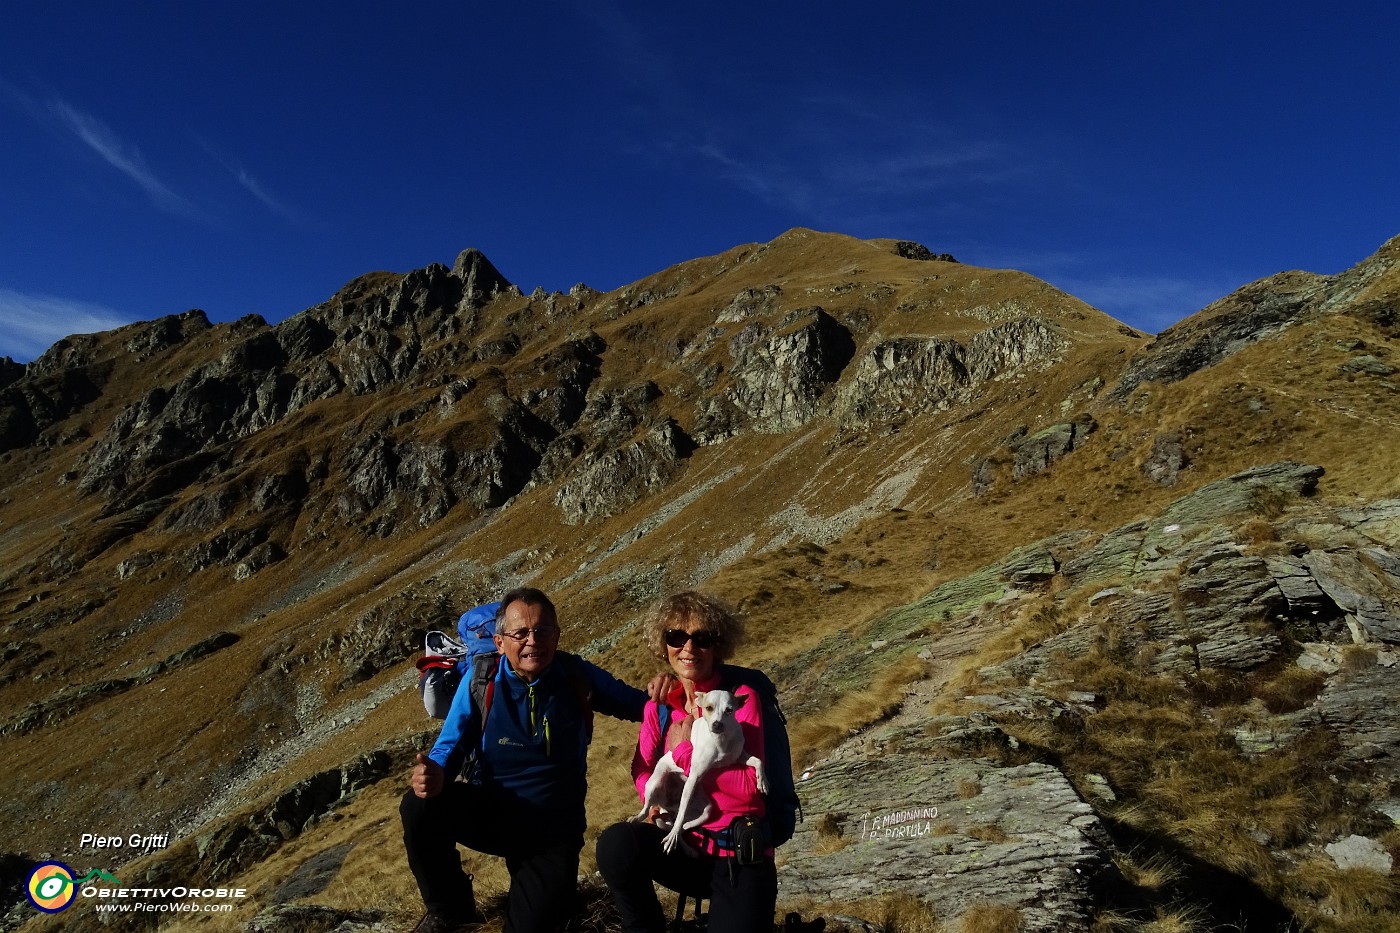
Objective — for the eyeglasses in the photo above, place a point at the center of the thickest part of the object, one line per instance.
(541, 633)
(703, 639)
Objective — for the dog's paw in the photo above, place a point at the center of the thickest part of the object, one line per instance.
(762, 784)
(672, 840)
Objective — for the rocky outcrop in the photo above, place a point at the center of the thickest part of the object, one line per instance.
(1019, 346)
(913, 811)
(781, 376)
(1249, 315)
(228, 399)
(905, 376)
(481, 462)
(604, 482)
(33, 403)
(368, 337)
(480, 279)
(1252, 314)
(908, 249)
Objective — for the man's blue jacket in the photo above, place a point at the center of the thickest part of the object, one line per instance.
(534, 746)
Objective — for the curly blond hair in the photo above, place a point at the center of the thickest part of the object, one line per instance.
(712, 614)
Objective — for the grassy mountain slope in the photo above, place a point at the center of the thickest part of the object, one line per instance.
(796, 425)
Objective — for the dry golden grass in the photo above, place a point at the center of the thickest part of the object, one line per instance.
(854, 711)
(1290, 690)
(986, 917)
(1256, 531)
(1358, 658)
(987, 832)
(901, 913)
(1345, 899)
(1148, 869)
(894, 913)
(1176, 919)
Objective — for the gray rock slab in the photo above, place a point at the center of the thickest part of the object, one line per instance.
(1364, 584)
(1361, 710)
(958, 831)
(1361, 852)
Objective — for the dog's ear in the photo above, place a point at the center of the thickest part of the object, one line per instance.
(740, 699)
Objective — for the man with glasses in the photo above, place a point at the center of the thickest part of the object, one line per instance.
(523, 796)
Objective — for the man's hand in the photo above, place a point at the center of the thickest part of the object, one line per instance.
(660, 686)
(428, 777)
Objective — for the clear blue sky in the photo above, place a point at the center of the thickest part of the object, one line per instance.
(254, 156)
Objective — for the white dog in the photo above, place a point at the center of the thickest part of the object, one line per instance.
(717, 740)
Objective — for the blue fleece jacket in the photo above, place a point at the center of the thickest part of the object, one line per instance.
(534, 746)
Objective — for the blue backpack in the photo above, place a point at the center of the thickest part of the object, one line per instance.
(446, 660)
(783, 806)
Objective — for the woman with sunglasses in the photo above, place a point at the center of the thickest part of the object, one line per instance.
(694, 634)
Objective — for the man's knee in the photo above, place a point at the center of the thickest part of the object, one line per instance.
(411, 809)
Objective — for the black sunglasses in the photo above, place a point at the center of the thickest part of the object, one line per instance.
(703, 639)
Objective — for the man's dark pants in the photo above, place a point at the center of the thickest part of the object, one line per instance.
(542, 860)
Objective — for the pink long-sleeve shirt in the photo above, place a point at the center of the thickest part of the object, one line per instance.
(733, 788)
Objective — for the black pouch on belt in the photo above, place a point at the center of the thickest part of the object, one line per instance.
(749, 838)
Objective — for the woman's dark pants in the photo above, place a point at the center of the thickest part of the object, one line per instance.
(630, 857)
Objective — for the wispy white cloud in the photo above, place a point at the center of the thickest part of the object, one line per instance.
(123, 157)
(253, 187)
(864, 180)
(1148, 302)
(30, 324)
(256, 188)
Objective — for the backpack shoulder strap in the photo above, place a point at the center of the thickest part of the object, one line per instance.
(663, 722)
(482, 684)
(732, 676)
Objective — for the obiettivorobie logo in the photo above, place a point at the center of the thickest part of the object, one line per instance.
(52, 887)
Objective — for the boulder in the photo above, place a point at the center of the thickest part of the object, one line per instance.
(1168, 458)
(1361, 853)
(1036, 453)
